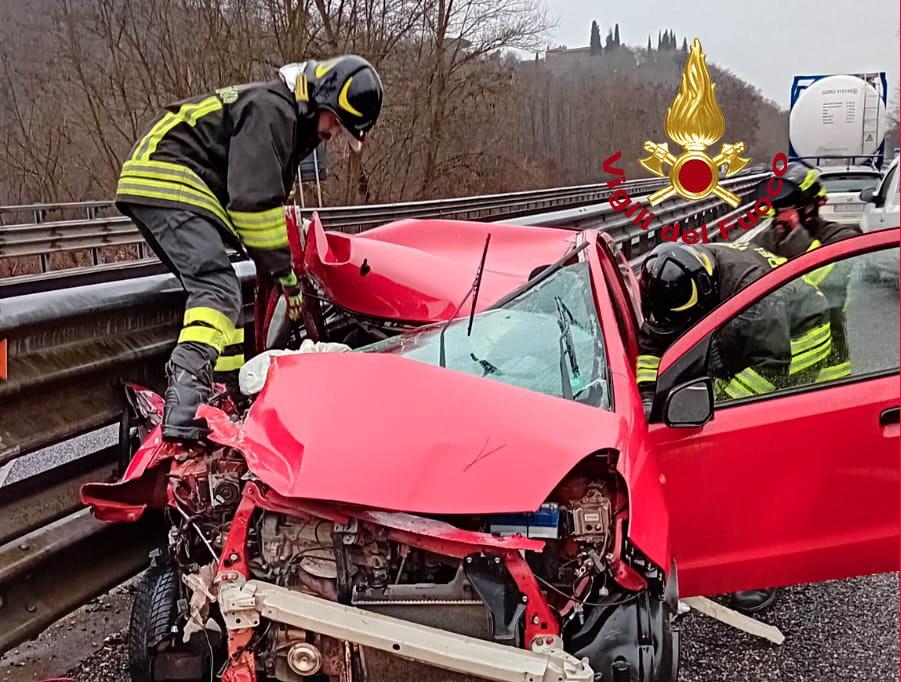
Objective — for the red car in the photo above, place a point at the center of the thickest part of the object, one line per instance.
(478, 493)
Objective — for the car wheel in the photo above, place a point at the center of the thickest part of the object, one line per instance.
(156, 652)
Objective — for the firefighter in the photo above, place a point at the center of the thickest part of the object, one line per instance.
(796, 227)
(213, 172)
(782, 340)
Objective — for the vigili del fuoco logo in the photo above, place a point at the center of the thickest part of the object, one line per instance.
(694, 122)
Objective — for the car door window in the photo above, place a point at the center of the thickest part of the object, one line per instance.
(835, 324)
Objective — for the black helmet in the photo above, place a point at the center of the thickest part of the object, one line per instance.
(349, 87)
(678, 284)
(800, 186)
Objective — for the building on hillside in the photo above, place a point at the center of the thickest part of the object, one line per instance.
(564, 59)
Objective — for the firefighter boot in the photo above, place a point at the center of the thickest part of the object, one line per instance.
(753, 601)
(189, 372)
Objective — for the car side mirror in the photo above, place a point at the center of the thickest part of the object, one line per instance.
(866, 195)
(689, 405)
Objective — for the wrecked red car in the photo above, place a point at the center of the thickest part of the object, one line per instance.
(475, 492)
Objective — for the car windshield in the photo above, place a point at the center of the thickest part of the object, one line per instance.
(525, 342)
(849, 183)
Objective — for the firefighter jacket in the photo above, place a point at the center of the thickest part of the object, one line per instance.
(230, 156)
(781, 338)
(831, 279)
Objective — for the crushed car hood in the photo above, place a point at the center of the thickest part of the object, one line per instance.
(419, 270)
(387, 432)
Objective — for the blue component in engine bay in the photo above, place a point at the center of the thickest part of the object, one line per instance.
(543, 523)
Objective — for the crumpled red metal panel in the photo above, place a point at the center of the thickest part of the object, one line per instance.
(419, 270)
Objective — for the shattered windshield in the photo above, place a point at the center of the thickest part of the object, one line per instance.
(547, 339)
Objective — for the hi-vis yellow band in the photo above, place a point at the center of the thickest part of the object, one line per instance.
(169, 182)
(748, 383)
(646, 368)
(262, 229)
(187, 113)
(810, 348)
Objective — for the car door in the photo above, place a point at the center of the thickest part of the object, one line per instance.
(799, 484)
(883, 211)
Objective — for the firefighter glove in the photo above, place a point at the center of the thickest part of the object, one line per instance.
(293, 297)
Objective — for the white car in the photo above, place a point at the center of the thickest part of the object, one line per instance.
(881, 205)
(881, 211)
(843, 187)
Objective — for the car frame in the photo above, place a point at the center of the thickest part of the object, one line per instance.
(728, 497)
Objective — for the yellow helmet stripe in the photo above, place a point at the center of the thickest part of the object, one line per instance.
(691, 301)
(325, 67)
(346, 105)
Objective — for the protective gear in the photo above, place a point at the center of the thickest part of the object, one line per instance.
(753, 601)
(189, 373)
(347, 86)
(678, 284)
(786, 335)
(293, 297)
(192, 248)
(230, 156)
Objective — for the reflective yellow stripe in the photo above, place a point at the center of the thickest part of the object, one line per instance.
(751, 381)
(809, 179)
(811, 338)
(187, 113)
(205, 335)
(155, 189)
(171, 172)
(646, 368)
(816, 277)
(229, 363)
(235, 338)
(267, 242)
(258, 218)
(811, 348)
(815, 244)
(735, 389)
(211, 317)
(839, 371)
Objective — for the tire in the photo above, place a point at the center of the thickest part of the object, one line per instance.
(139, 660)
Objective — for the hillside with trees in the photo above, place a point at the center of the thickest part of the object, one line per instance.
(464, 112)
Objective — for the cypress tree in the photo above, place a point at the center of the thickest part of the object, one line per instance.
(595, 43)
(616, 36)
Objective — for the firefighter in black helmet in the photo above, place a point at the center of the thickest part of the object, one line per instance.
(214, 171)
(783, 339)
(795, 227)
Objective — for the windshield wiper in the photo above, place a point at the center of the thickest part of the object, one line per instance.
(474, 289)
(567, 349)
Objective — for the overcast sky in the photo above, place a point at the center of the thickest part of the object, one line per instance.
(763, 42)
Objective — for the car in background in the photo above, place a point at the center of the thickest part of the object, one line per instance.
(843, 187)
(881, 206)
(881, 211)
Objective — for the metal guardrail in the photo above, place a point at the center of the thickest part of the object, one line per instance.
(41, 237)
(69, 348)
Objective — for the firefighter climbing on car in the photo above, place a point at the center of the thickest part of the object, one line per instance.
(796, 227)
(213, 172)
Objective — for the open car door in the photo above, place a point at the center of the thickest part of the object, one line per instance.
(798, 484)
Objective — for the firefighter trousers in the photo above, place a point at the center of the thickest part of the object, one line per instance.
(191, 246)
